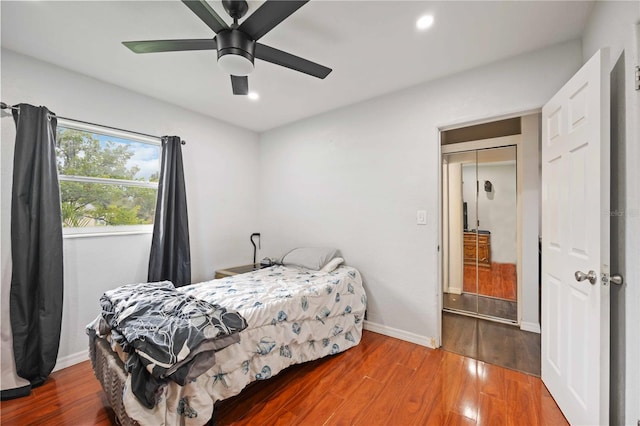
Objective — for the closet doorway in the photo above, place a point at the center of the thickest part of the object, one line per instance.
(490, 201)
(480, 243)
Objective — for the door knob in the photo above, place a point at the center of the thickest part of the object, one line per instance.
(616, 279)
(591, 276)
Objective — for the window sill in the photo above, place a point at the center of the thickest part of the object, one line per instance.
(105, 233)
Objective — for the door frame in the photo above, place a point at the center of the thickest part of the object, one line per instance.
(486, 143)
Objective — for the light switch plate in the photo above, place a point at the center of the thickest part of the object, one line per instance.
(421, 217)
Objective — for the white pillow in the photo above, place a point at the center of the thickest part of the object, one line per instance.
(309, 257)
(333, 264)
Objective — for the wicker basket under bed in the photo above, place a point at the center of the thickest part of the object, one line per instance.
(110, 372)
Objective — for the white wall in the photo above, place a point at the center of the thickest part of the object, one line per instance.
(221, 171)
(529, 153)
(453, 230)
(353, 178)
(497, 210)
(614, 25)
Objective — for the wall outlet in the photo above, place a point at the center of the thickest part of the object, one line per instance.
(421, 217)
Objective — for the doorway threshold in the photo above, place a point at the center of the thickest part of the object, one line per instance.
(484, 307)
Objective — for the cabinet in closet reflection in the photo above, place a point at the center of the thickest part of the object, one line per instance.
(477, 251)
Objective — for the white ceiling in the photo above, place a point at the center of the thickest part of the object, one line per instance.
(372, 46)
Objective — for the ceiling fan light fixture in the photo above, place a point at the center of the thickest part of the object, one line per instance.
(235, 52)
(235, 64)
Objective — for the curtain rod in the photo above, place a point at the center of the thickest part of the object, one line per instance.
(5, 106)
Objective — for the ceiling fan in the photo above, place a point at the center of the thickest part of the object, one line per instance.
(237, 45)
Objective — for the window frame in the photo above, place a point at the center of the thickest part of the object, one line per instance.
(97, 231)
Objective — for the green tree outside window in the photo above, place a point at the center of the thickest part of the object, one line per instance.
(85, 160)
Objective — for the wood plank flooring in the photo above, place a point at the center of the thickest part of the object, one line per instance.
(382, 381)
(497, 281)
(71, 396)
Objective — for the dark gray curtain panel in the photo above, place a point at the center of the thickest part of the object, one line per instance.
(36, 245)
(170, 257)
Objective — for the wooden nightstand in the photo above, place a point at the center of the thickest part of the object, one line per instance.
(227, 272)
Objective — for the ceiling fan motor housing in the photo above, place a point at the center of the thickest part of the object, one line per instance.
(235, 52)
(235, 8)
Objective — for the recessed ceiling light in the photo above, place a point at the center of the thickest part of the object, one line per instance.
(424, 22)
(254, 96)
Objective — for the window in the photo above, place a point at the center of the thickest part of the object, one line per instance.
(108, 179)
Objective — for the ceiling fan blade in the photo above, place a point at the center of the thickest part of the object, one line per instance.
(288, 60)
(152, 46)
(270, 14)
(240, 85)
(207, 14)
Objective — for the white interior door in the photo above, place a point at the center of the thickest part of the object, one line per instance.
(575, 238)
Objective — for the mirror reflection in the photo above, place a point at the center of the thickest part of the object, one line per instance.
(480, 233)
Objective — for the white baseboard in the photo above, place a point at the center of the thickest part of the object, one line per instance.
(430, 342)
(69, 360)
(533, 327)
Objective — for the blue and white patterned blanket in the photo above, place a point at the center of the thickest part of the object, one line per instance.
(294, 315)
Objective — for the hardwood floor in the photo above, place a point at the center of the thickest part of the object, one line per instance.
(382, 381)
(72, 396)
(497, 281)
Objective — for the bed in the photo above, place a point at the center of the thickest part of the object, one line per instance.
(293, 315)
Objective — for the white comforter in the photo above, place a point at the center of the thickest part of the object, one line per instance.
(294, 315)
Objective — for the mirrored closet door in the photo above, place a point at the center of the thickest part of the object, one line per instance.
(480, 251)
